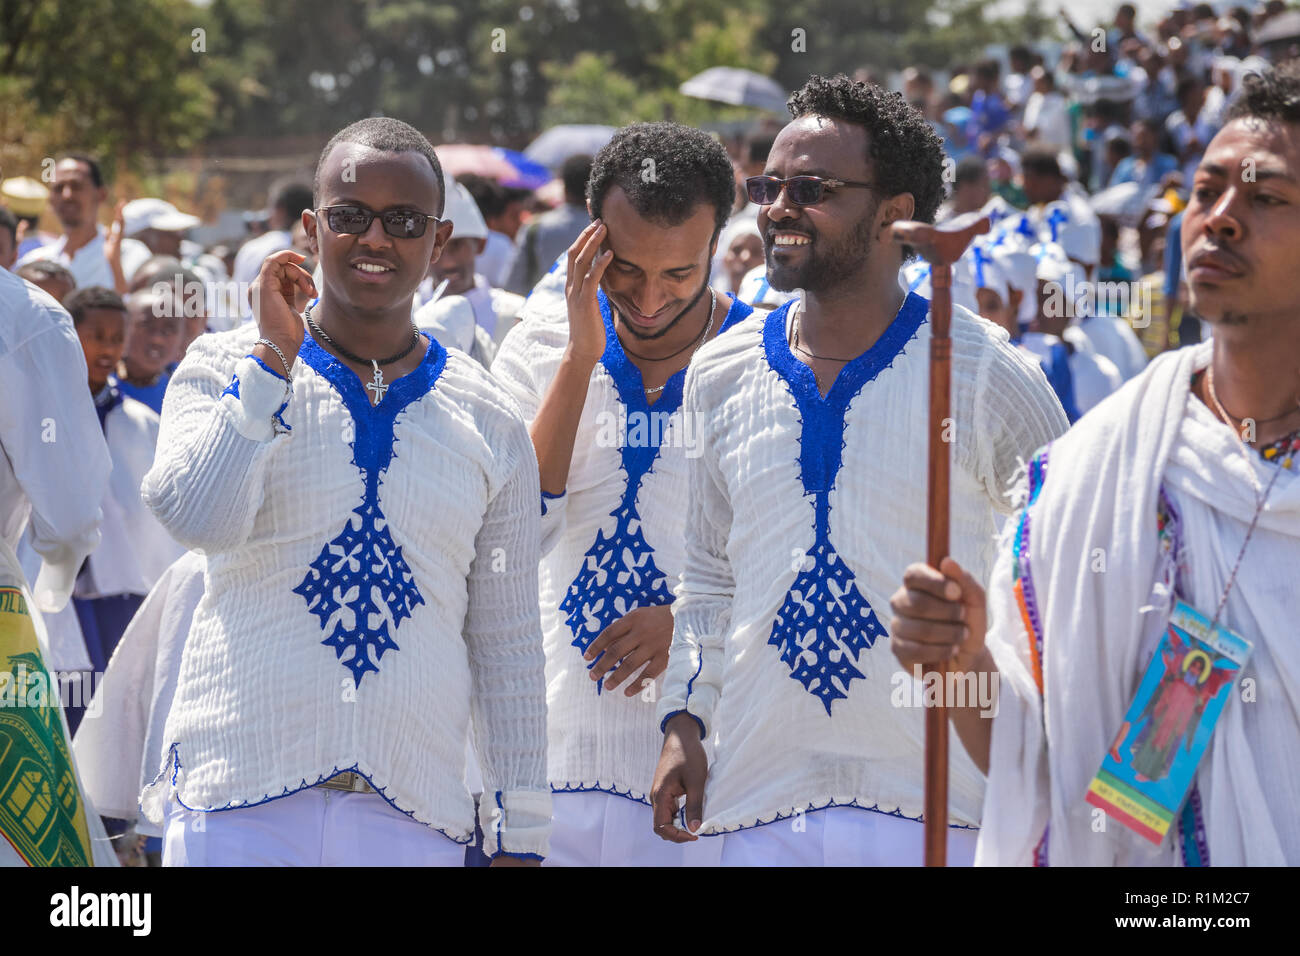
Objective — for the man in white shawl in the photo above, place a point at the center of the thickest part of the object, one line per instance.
(1181, 485)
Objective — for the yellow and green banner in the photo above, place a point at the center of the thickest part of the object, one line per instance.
(42, 813)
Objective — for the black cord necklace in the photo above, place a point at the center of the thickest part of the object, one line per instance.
(799, 348)
(377, 386)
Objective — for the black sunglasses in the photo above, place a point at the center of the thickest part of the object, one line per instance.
(351, 220)
(801, 190)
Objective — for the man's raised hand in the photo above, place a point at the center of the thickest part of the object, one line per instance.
(272, 294)
(586, 267)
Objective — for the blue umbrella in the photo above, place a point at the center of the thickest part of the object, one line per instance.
(530, 174)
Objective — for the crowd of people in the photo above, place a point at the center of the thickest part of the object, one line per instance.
(432, 527)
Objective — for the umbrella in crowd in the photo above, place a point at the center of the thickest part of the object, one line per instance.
(739, 87)
(508, 167)
(558, 143)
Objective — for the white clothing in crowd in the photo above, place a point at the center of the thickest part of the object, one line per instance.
(248, 263)
(1047, 117)
(455, 591)
(54, 468)
(1113, 337)
(1099, 487)
(88, 264)
(497, 258)
(782, 529)
(614, 541)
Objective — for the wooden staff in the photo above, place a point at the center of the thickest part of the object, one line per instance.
(941, 248)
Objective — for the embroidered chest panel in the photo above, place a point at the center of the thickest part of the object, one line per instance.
(360, 585)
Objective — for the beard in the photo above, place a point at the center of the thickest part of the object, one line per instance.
(825, 267)
(651, 336)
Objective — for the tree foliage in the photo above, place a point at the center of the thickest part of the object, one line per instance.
(124, 77)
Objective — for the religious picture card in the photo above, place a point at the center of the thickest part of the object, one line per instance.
(1147, 773)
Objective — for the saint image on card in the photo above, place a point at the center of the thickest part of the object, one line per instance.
(1149, 767)
(1174, 713)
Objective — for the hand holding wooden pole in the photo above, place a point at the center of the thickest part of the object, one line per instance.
(941, 248)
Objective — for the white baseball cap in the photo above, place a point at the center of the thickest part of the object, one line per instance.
(461, 209)
(142, 214)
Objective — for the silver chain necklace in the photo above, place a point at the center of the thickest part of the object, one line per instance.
(377, 385)
(713, 305)
(1261, 496)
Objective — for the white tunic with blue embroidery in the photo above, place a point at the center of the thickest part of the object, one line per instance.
(614, 541)
(371, 585)
(804, 513)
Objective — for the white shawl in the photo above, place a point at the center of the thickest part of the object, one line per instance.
(1095, 569)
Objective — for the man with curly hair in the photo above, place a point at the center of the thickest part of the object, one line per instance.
(1181, 486)
(807, 501)
(599, 378)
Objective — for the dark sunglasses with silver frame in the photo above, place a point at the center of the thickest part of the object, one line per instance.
(352, 219)
(801, 190)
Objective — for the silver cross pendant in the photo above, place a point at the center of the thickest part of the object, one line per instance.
(377, 386)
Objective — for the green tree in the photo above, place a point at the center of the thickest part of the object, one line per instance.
(122, 78)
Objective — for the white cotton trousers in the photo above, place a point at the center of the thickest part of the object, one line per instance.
(840, 836)
(312, 827)
(594, 828)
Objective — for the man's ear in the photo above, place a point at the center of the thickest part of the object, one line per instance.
(309, 226)
(898, 208)
(590, 214)
(442, 236)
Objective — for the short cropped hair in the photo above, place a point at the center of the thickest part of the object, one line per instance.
(387, 135)
(92, 164)
(83, 300)
(46, 270)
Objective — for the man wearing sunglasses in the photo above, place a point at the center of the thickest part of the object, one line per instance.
(808, 499)
(367, 501)
(600, 378)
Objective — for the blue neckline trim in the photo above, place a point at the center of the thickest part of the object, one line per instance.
(618, 571)
(857, 373)
(400, 393)
(627, 376)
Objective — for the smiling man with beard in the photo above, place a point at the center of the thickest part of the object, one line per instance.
(600, 379)
(807, 501)
(368, 504)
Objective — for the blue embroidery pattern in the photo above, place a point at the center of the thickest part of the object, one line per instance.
(825, 623)
(618, 573)
(233, 387)
(360, 580)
